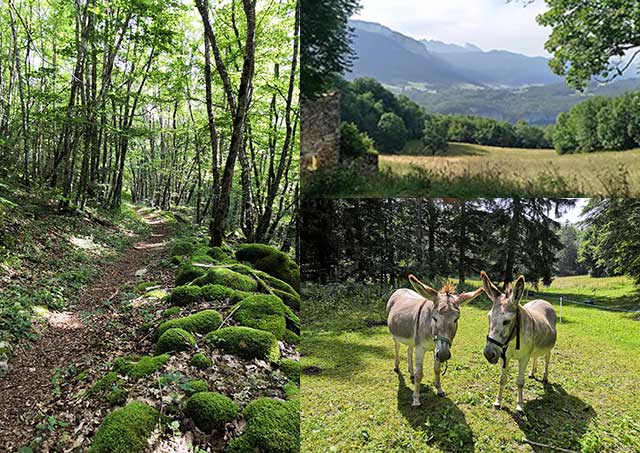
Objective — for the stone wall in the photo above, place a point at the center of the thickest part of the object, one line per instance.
(320, 133)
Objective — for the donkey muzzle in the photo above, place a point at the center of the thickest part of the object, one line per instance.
(491, 353)
(443, 353)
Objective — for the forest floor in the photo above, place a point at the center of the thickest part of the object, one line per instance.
(354, 401)
(83, 334)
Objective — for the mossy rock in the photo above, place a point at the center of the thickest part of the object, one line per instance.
(117, 396)
(202, 322)
(199, 385)
(174, 340)
(142, 287)
(202, 259)
(182, 247)
(240, 445)
(187, 273)
(201, 361)
(171, 312)
(126, 430)
(201, 250)
(292, 369)
(291, 300)
(217, 254)
(281, 289)
(273, 426)
(271, 261)
(221, 293)
(176, 260)
(210, 410)
(227, 277)
(293, 322)
(139, 367)
(246, 342)
(291, 337)
(262, 312)
(291, 391)
(156, 294)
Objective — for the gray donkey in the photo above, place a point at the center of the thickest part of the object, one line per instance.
(426, 320)
(518, 332)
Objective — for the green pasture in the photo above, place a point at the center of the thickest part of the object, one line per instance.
(353, 401)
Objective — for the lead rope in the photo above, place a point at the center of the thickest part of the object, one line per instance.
(517, 331)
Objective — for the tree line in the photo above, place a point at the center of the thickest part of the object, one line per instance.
(158, 101)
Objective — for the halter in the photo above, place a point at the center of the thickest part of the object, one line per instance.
(505, 345)
(435, 337)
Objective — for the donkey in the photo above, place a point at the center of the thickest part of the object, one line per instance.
(426, 320)
(518, 332)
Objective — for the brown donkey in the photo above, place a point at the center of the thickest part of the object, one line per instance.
(426, 320)
(518, 332)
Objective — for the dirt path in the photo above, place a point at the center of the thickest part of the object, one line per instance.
(74, 336)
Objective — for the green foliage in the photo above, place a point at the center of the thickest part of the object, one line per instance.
(273, 425)
(291, 391)
(210, 410)
(175, 339)
(182, 247)
(262, 312)
(171, 312)
(140, 367)
(202, 322)
(272, 261)
(201, 361)
(199, 385)
(227, 277)
(353, 143)
(246, 342)
(187, 273)
(240, 445)
(392, 133)
(125, 430)
(292, 369)
(435, 136)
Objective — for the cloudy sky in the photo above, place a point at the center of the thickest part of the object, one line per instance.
(489, 24)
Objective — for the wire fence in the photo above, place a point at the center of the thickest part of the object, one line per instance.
(562, 300)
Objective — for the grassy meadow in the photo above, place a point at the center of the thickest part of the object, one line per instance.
(353, 400)
(475, 171)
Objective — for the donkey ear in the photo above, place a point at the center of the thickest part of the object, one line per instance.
(422, 289)
(467, 297)
(518, 289)
(492, 291)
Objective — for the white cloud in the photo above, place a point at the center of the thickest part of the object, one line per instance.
(489, 24)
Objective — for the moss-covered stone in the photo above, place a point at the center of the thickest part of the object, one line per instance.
(262, 312)
(138, 367)
(217, 254)
(142, 287)
(117, 396)
(202, 259)
(220, 293)
(276, 286)
(187, 273)
(210, 410)
(246, 342)
(293, 322)
(104, 383)
(291, 300)
(199, 385)
(273, 426)
(171, 312)
(272, 261)
(182, 247)
(291, 337)
(227, 277)
(291, 391)
(202, 322)
(292, 369)
(201, 361)
(156, 294)
(239, 445)
(175, 260)
(175, 340)
(126, 430)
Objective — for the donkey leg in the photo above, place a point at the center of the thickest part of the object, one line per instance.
(522, 367)
(416, 390)
(503, 381)
(545, 377)
(410, 361)
(436, 372)
(396, 347)
(534, 368)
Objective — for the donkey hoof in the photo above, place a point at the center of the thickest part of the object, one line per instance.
(496, 405)
(396, 369)
(415, 403)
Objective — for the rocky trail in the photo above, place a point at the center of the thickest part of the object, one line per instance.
(83, 335)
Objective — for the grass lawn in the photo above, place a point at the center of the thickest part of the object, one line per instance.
(353, 401)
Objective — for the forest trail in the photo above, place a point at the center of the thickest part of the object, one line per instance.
(76, 335)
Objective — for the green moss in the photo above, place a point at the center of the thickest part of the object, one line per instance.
(202, 322)
(291, 337)
(199, 360)
(291, 391)
(273, 425)
(104, 383)
(239, 445)
(175, 340)
(171, 312)
(227, 277)
(217, 254)
(201, 250)
(182, 247)
(126, 430)
(291, 300)
(262, 312)
(142, 287)
(140, 367)
(188, 273)
(175, 260)
(202, 259)
(184, 295)
(293, 322)
(156, 294)
(117, 396)
(199, 385)
(210, 410)
(246, 342)
(217, 293)
(292, 369)
(272, 261)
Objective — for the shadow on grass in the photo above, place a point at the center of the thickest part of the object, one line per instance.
(438, 419)
(457, 149)
(340, 359)
(556, 419)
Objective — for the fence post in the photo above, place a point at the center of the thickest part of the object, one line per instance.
(560, 309)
